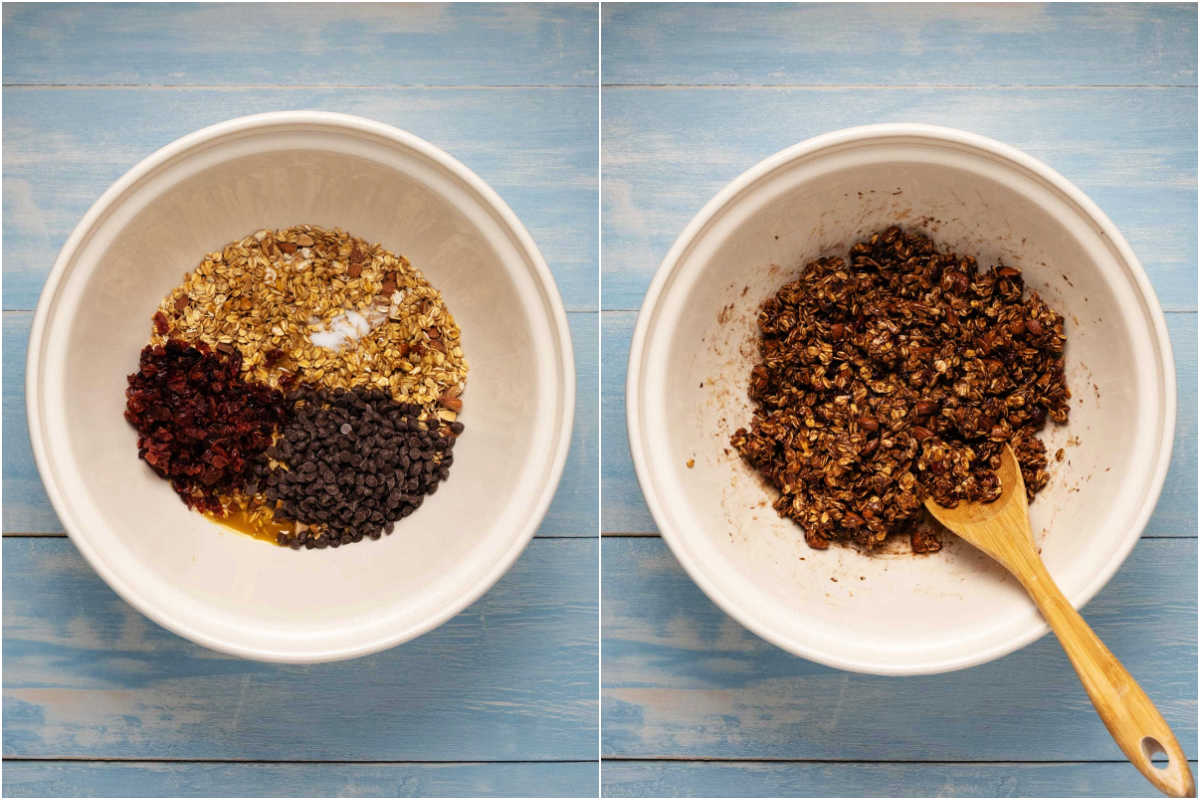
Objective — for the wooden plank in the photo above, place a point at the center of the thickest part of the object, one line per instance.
(116, 779)
(920, 44)
(681, 679)
(26, 508)
(666, 152)
(320, 44)
(625, 511)
(536, 147)
(511, 678)
(799, 779)
(576, 505)
(573, 511)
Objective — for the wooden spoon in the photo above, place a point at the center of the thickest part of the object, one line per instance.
(1001, 529)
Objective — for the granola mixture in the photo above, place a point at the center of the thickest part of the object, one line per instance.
(894, 376)
(311, 318)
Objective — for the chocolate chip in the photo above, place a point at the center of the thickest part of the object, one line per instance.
(347, 485)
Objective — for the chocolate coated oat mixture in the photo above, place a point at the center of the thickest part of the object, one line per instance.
(895, 376)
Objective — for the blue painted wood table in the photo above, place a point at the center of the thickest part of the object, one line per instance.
(502, 700)
(693, 704)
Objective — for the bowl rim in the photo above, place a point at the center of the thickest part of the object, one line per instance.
(865, 135)
(333, 122)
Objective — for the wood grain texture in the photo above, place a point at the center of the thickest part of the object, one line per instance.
(624, 509)
(511, 678)
(666, 152)
(856, 779)
(683, 680)
(912, 44)
(573, 511)
(182, 779)
(326, 44)
(536, 147)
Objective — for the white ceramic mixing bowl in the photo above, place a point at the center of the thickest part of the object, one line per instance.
(220, 588)
(695, 342)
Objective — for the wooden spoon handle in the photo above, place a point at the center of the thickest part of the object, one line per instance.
(1130, 717)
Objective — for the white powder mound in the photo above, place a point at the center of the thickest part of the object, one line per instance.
(350, 326)
(345, 328)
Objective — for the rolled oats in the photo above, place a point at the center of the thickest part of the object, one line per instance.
(270, 294)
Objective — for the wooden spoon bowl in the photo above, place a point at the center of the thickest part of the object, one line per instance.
(1001, 529)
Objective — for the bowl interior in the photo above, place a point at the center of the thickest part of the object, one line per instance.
(228, 590)
(894, 613)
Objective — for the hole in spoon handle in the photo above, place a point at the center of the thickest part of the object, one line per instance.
(1152, 748)
(1166, 766)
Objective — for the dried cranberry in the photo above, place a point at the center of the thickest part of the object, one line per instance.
(199, 424)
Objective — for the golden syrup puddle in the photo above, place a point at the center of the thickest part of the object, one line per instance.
(240, 519)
